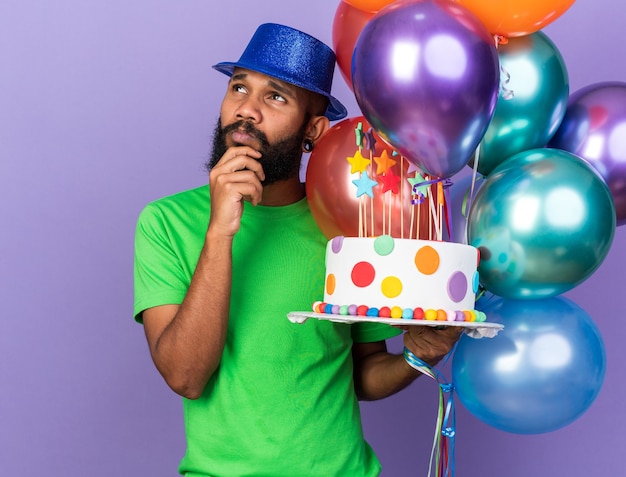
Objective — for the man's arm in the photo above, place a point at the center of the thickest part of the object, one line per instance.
(186, 341)
(378, 374)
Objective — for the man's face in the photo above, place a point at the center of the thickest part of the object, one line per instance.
(267, 115)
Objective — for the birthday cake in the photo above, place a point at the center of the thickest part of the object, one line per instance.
(386, 259)
(390, 277)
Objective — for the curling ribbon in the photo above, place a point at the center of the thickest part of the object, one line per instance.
(505, 77)
(416, 188)
(442, 452)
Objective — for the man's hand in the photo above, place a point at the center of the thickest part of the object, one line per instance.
(430, 344)
(235, 178)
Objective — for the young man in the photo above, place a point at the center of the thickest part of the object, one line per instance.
(218, 268)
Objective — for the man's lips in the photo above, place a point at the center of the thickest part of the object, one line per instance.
(241, 137)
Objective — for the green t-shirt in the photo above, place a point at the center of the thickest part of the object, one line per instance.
(282, 402)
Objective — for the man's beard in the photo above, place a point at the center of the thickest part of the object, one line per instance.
(280, 161)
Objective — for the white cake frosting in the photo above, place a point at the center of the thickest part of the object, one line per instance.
(401, 278)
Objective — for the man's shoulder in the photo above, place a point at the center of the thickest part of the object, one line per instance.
(200, 193)
(187, 204)
(187, 199)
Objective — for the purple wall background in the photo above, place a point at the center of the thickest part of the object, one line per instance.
(106, 105)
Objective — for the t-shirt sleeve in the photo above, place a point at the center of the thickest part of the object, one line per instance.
(368, 332)
(159, 278)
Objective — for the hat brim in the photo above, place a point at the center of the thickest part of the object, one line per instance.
(335, 110)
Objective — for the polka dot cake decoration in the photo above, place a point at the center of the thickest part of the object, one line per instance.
(400, 278)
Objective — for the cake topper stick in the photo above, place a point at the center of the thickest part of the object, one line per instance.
(372, 197)
(390, 213)
(361, 230)
(440, 204)
(429, 207)
(401, 196)
(370, 144)
(419, 220)
(412, 221)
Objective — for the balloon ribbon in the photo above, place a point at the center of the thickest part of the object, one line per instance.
(442, 452)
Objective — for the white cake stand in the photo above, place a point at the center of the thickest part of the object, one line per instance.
(474, 329)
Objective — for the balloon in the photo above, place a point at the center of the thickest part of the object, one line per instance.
(368, 5)
(594, 128)
(347, 25)
(511, 18)
(333, 198)
(539, 374)
(539, 85)
(543, 221)
(425, 75)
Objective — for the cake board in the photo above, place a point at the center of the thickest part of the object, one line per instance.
(473, 329)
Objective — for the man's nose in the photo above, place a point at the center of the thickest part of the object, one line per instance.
(250, 109)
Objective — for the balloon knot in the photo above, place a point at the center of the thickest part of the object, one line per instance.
(500, 40)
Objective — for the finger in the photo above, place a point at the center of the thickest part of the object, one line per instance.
(237, 154)
(235, 151)
(243, 184)
(239, 159)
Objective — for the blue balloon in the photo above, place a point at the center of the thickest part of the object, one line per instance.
(539, 374)
(537, 85)
(544, 221)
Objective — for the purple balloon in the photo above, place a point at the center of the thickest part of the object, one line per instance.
(594, 128)
(426, 76)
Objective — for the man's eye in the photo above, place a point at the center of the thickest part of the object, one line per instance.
(278, 97)
(237, 88)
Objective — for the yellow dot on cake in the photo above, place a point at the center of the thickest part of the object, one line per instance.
(391, 287)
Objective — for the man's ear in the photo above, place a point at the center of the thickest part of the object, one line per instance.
(316, 128)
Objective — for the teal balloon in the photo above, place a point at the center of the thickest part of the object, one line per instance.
(544, 221)
(539, 374)
(534, 75)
